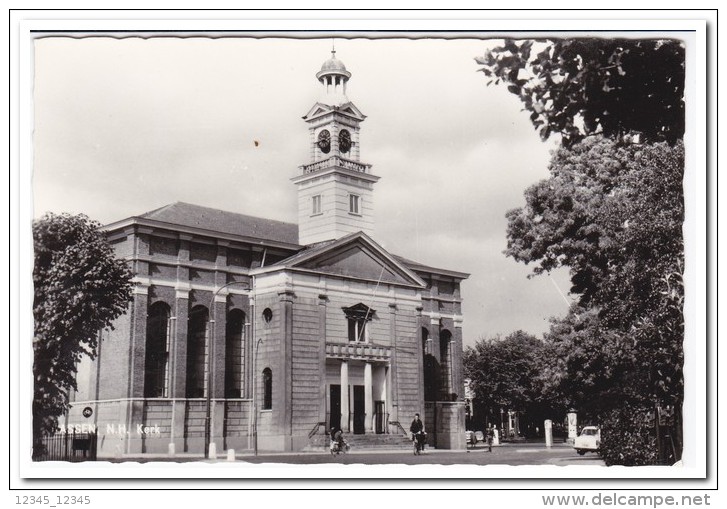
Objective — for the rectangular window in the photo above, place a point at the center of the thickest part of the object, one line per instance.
(353, 204)
(357, 330)
(316, 205)
(267, 389)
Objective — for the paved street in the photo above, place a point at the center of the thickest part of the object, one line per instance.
(526, 453)
(507, 454)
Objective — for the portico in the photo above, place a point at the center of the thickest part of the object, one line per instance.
(358, 387)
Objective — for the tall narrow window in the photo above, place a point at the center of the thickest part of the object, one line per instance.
(430, 367)
(197, 365)
(356, 329)
(156, 366)
(234, 354)
(267, 389)
(316, 209)
(445, 356)
(354, 203)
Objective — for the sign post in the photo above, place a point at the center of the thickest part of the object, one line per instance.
(548, 433)
(572, 426)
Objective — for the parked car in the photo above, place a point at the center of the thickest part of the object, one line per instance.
(479, 436)
(588, 441)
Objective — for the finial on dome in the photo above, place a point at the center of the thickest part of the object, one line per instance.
(334, 77)
(333, 67)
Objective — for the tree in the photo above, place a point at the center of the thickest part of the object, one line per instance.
(580, 87)
(606, 206)
(80, 288)
(612, 212)
(591, 366)
(507, 373)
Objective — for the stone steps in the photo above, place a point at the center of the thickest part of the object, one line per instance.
(359, 442)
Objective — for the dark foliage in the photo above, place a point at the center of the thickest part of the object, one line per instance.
(509, 373)
(80, 288)
(578, 87)
(628, 437)
(612, 211)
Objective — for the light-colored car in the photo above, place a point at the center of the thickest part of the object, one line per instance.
(479, 436)
(588, 441)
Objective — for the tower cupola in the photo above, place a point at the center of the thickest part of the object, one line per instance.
(335, 188)
(334, 77)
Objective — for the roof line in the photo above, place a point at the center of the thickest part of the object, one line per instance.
(143, 221)
(420, 266)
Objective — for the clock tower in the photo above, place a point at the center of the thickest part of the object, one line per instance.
(335, 189)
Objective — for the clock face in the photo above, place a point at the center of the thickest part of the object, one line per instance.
(324, 141)
(344, 141)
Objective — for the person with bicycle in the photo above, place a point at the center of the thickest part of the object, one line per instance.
(418, 435)
(338, 444)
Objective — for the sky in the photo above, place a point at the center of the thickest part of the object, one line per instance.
(124, 126)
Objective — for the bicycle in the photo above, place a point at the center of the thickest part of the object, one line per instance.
(419, 438)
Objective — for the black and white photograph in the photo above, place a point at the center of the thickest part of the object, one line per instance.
(277, 253)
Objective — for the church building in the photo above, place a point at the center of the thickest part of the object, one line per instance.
(248, 333)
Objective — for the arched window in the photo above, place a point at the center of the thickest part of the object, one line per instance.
(156, 365)
(267, 389)
(430, 367)
(234, 354)
(197, 333)
(445, 356)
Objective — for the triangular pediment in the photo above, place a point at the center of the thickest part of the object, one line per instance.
(356, 256)
(359, 310)
(348, 109)
(317, 110)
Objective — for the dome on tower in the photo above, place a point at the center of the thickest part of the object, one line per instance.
(333, 66)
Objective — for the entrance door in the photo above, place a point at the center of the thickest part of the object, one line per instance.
(359, 410)
(380, 423)
(335, 416)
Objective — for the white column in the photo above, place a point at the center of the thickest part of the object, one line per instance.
(389, 404)
(368, 398)
(548, 433)
(344, 397)
(572, 426)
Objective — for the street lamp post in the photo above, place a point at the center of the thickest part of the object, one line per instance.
(502, 422)
(210, 364)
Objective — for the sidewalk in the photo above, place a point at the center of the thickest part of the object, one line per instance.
(525, 446)
(248, 453)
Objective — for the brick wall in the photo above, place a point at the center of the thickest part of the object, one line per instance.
(113, 361)
(159, 413)
(194, 419)
(269, 356)
(408, 364)
(237, 418)
(307, 376)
